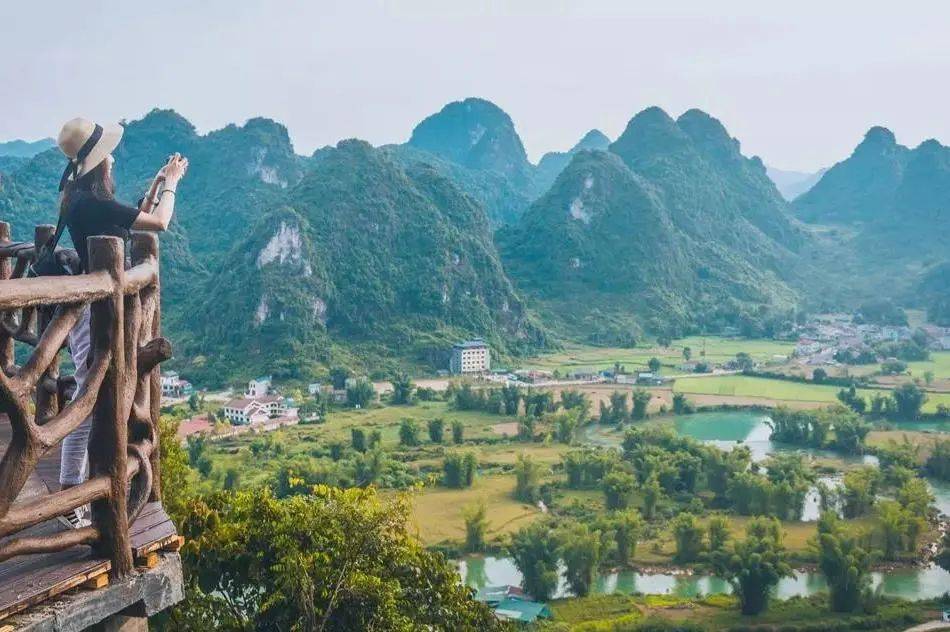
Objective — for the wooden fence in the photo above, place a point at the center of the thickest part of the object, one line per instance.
(122, 392)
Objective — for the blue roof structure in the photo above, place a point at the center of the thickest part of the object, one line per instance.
(522, 611)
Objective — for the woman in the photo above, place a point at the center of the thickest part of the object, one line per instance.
(88, 207)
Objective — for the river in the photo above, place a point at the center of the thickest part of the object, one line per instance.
(727, 429)
(909, 583)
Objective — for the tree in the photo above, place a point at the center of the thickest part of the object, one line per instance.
(618, 486)
(687, 353)
(744, 361)
(476, 526)
(753, 567)
(408, 433)
(232, 479)
(819, 375)
(718, 531)
(402, 388)
(627, 528)
(938, 463)
(850, 398)
(580, 549)
(436, 429)
(654, 364)
(845, 564)
(681, 405)
(615, 412)
(527, 479)
(333, 560)
(688, 535)
(360, 393)
(375, 439)
(928, 377)
(565, 425)
(196, 449)
(459, 470)
(652, 492)
(539, 402)
(511, 396)
(458, 432)
(358, 439)
(194, 403)
(893, 521)
(641, 399)
(908, 400)
(534, 550)
(577, 401)
(859, 491)
(338, 377)
(850, 430)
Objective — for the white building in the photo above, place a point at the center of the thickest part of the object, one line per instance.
(470, 356)
(258, 388)
(253, 410)
(174, 386)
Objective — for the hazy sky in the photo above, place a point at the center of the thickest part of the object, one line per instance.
(798, 83)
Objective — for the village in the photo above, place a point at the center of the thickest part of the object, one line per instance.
(830, 338)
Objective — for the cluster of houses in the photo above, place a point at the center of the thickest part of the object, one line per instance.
(259, 409)
(829, 335)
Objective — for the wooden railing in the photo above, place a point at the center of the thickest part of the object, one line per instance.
(122, 392)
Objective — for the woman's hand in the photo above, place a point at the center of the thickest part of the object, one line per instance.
(175, 170)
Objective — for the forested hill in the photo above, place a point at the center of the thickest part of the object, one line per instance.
(670, 230)
(886, 209)
(368, 258)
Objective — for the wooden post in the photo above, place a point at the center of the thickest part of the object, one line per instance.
(46, 401)
(145, 245)
(109, 439)
(6, 270)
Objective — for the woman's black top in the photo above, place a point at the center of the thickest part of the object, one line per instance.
(89, 215)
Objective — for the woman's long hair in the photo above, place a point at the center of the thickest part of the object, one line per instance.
(97, 182)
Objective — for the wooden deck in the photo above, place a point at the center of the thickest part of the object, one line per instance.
(32, 579)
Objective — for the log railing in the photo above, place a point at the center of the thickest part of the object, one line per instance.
(122, 392)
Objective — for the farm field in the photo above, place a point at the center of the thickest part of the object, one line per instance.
(781, 390)
(574, 356)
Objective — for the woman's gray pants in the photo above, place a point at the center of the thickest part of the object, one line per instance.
(74, 461)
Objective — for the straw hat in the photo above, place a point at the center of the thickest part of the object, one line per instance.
(86, 144)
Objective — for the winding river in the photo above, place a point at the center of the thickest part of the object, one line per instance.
(726, 430)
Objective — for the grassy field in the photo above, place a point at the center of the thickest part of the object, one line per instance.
(781, 390)
(720, 612)
(574, 356)
(939, 364)
(437, 511)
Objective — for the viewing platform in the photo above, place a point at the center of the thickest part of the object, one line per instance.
(124, 567)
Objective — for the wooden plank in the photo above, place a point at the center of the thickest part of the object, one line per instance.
(37, 588)
(156, 544)
(149, 560)
(98, 581)
(175, 545)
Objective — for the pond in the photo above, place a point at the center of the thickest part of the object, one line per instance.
(908, 583)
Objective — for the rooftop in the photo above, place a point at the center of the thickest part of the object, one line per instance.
(474, 343)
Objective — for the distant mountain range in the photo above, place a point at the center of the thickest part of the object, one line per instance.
(374, 257)
(791, 184)
(25, 149)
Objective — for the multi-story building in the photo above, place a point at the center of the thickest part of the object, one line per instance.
(174, 386)
(253, 410)
(470, 356)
